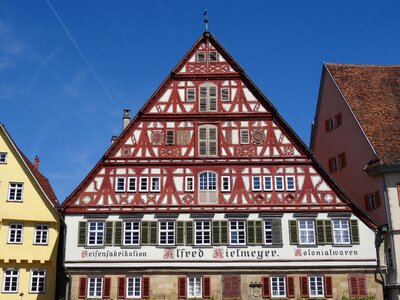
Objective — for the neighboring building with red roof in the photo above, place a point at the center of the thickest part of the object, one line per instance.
(209, 194)
(356, 136)
(29, 227)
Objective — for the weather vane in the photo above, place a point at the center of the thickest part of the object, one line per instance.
(206, 19)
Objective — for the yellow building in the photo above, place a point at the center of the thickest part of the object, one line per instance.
(29, 227)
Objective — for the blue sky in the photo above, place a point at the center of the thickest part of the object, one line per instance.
(69, 68)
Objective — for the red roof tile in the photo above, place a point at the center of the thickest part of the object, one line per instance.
(373, 94)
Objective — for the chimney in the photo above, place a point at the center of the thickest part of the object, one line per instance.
(127, 117)
(113, 139)
(36, 163)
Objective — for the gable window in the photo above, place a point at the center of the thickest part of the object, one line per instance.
(15, 191)
(190, 94)
(329, 125)
(170, 137)
(189, 184)
(201, 56)
(332, 164)
(279, 185)
(95, 233)
(290, 184)
(131, 232)
(155, 184)
(244, 136)
(15, 233)
(372, 200)
(256, 184)
(41, 234)
(225, 183)
(95, 287)
(38, 281)
(10, 280)
(132, 184)
(237, 232)
(3, 157)
(278, 286)
(225, 95)
(207, 187)
(120, 186)
(267, 183)
(316, 286)
(337, 120)
(341, 231)
(203, 232)
(306, 232)
(207, 140)
(213, 56)
(342, 161)
(134, 287)
(208, 97)
(144, 184)
(167, 232)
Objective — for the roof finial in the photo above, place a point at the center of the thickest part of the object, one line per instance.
(206, 19)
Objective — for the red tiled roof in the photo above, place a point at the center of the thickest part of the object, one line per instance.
(373, 94)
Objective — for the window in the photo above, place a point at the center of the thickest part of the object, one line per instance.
(306, 232)
(155, 184)
(194, 288)
(95, 287)
(15, 191)
(341, 231)
(3, 157)
(41, 234)
(15, 233)
(329, 125)
(342, 163)
(190, 94)
(189, 184)
(203, 232)
(95, 233)
(337, 120)
(170, 137)
(290, 183)
(244, 136)
(256, 183)
(231, 286)
(357, 285)
(10, 280)
(278, 287)
(332, 165)
(208, 187)
(267, 183)
(207, 140)
(268, 232)
(372, 200)
(144, 184)
(208, 97)
(225, 183)
(132, 184)
(389, 259)
(213, 56)
(120, 186)
(134, 287)
(279, 186)
(237, 232)
(201, 56)
(38, 281)
(167, 232)
(225, 95)
(316, 286)
(131, 232)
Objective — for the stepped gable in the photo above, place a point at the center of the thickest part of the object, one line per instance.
(272, 146)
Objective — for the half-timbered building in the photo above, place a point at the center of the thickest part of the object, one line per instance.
(209, 194)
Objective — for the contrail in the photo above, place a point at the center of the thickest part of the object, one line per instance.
(81, 53)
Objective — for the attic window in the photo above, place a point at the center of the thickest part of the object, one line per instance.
(338, 120)
(213, 56)
(201, 56)
(190, 94)
(225, 94)
(169, 138)
(332, 165)
(244, 136)
(3, 157)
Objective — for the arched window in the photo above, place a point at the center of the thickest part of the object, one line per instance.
(208, 97)
(207, 140)
(208, 187)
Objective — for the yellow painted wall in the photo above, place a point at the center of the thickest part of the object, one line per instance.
(34, 208)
